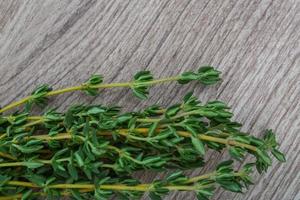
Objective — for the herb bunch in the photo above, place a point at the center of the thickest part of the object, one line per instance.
(91, 151)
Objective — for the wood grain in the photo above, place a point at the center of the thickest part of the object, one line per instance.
(254, 43)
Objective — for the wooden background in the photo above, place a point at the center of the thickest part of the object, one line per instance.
(254, 43)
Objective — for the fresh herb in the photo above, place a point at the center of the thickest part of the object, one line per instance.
(142, 81)
(92, 151)
(129, 188)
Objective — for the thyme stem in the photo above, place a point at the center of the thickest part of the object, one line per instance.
(122, 187)
(5, 155)
(67, 193)
(81, 87)
(125, 133)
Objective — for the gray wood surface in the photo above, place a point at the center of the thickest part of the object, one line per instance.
(254, 43)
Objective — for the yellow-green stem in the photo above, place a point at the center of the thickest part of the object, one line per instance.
(40, 119)
(67, 193)
(202, 177)
(15, 104)
(120, 187)
(125, 132)
(33, 123)
(5, 155)
(13, 164)
(117, 187)
(19, 196)
(3, 136)
(48, 162)
(204, 137)
(81, 87)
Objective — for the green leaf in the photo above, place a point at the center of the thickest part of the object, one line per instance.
(217, 105)
(256, 141)
(50, 180)
(151, 160)
(52, 116)
(60, 152)
(172, 111)
(41, 90)
(57, 166)
(225, 165)
(4, 179)
(34, 142)
(95, 110)
(204, 194)
(278, 155)
(91, 91)
(26, 195)
(72, 171)
(102, 194)
(207, 113)
(79, 159)
(201, 196)
(123, 118)
(187, 77)
(225, 176)
(86, 129)
(20, 119)
(242, 139)
(76, 194)
(95, 79)
(270, 139)
(224, 114)
(38, 96)
(143, 76)
(177, 178)
(188, 97)
(207, 75)
(198, 144)
(236, 153)
(139, 93)
(88, 172)
(154, 196)
(36, 179)
(69, 119)
(264, 157)
(152, 110)
(28, 149)
(231, 186)
(152, 129)
(140, 85)
(32, 164)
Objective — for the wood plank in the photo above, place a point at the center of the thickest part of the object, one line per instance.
(254, 43)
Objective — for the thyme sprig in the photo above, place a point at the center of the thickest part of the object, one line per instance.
(140, 86)
(129, 188)
(189, 126)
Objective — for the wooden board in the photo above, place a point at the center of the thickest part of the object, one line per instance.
(254, 43)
